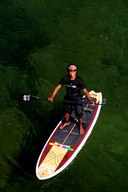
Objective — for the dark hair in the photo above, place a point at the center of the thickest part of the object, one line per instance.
(71, 64)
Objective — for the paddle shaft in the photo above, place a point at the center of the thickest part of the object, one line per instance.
(67, 101)
(109, 105)
(27, 98)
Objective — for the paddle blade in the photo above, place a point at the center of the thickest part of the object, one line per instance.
(25, 97)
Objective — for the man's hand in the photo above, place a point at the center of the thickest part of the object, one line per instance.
(50, 99)
(93, 104)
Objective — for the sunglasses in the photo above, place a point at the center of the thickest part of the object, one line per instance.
(72, 70)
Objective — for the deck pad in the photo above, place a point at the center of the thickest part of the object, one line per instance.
(51, 161)
(70, 135)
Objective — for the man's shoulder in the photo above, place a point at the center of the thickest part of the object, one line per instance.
(66, 77)
(80, 81)
(79, 78)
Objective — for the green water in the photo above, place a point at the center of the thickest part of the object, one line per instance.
(38, 39)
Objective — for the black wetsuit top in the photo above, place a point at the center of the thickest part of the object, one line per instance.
(73, 87)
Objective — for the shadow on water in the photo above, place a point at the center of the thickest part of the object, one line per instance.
(41, 119)
(20, 37)
(31, 145)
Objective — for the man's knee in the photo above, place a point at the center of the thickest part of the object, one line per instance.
(79, 111)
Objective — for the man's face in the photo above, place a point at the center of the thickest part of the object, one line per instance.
(72, 69)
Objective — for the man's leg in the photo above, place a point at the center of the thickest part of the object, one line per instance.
(81, 126)
(67, 122)
(67, 112)
(66, 116)
(79, 113)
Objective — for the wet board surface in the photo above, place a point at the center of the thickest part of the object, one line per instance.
(64, 144)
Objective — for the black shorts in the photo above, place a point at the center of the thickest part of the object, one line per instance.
(68, 107)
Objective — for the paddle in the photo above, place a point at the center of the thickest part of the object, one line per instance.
(29, 97)
(32, 97)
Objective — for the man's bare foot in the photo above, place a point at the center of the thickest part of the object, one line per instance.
(64, 124)
(81, 130)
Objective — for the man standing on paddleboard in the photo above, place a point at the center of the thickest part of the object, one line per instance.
(73, 86)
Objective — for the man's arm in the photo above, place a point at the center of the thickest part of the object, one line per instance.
(54, 92)
(88, 96)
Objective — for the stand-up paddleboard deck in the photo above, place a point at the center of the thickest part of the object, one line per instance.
(64, 144)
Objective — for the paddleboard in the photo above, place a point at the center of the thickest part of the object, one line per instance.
(64, 144)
